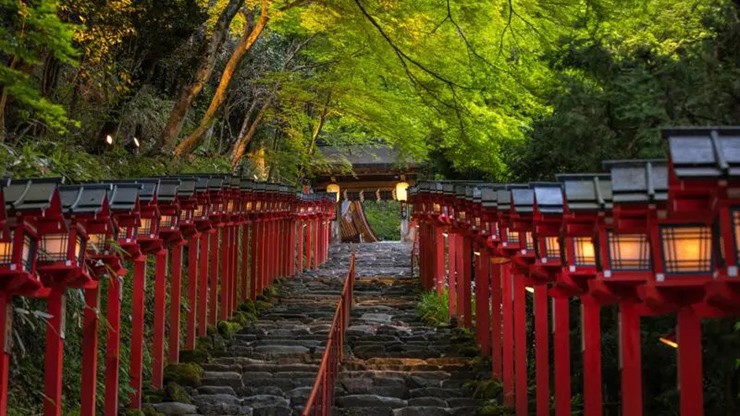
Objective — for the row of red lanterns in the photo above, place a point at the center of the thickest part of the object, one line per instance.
(55, 236)
(653, 237)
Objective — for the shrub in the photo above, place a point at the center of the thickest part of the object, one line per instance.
(433, 308)
(184, 374)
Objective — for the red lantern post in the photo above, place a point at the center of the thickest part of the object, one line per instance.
(87, 209)
(587, 201)
(125, 209)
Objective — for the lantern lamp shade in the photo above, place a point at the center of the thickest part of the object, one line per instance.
(584, 252)
(552, 247)
(686, 248)
(145, 227)
(528, 240)
(629, 252)
(96, 243)
(6, 251)
(53, 248)
(333, 188)
(168, 221)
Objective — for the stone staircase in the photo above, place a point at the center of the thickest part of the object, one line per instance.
(394, 364)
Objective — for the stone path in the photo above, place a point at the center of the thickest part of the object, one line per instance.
(394, 365)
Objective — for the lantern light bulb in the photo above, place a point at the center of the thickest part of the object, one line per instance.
(136, 142)
(529, 289)
(668, 341)
(109, 139)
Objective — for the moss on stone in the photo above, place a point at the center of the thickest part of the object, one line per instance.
(495, 409)
(227, 329)
(198, 356)
(211, 330)
(174, 392)
(248, 307)
(244, 318)
(184, 374)
(488, 389)
(149, 410)
(262, 305)
(149, 395)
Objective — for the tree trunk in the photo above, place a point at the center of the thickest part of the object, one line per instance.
(245, 44)
(241, 145)
(315, 135)
(188, 92)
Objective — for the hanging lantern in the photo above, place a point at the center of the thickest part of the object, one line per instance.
(333, 188)
(402, 191)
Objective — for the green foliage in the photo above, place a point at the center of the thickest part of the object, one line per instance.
(493, 408)
(30, 30)
(184, 374)
(174, 392)
(384, 218)
(488, 390)
(262, 305)
(227, 329)
(433, 308)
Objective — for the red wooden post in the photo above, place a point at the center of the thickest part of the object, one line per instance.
(291, 247)
(261, 260)
(439, 265)
(266, 252)
(253, 261)
(452, 272)
(245, 263)
(508, 333)
(225, 253)
(467, 268)
(203, 285)
(213, 273)
(112, 345)
(88, 387)
(193, 303)
(53, 359)
(175, 294)
(690, 381)
(630, 359)
(591, 335)
(235, 267)
(160, 293)
(137, 331)
(301, 235)
(520, 344)
(309, 243)
(561, 338)
(496, 334)
(233, 262)
(6, 319)
(542, 350)
(316, 247)
(482, 299)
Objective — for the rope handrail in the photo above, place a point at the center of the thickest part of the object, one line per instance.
(321, 399)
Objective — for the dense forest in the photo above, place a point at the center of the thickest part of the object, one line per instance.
(509, 90)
